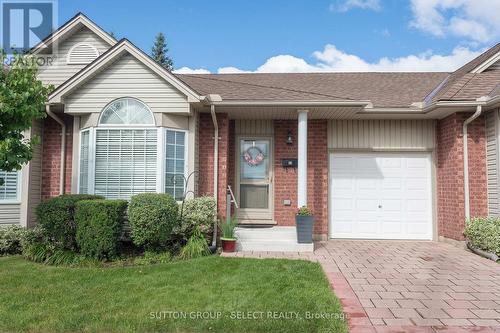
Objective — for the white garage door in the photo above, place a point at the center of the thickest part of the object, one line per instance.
(380, 195)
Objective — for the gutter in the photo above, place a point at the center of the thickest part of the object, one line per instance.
(63, 146)
(469, 120)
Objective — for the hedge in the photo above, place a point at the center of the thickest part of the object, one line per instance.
(484, 234)
(10, 239)
(99, 226)
(152, 218)
(56, 216)
(197, 213)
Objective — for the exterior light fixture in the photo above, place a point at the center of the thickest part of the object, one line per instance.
(289, 139)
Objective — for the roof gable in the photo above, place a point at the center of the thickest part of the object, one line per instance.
(68, 28)
(121, 48)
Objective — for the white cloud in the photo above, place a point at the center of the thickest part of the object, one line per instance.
(331, 59)
(347, 5)
(475, 20)
(187, 70)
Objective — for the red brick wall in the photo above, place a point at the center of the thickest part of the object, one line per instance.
(51, 156)
(450, 182)
(285, 180)
(206, 154)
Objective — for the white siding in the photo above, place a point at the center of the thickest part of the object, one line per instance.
(60, 71)
(126, 77)
(382, 134)
(10, 214)
(492, 162)
(253, 127)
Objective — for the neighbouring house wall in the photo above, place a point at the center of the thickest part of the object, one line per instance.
(127, 77)
(450, 180)
(60, 71)
(34, 195)
(382, 134)
(51, 151)
(492, 161)
(206, 158)
(285, 180)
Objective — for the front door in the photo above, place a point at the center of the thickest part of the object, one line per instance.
(254, 180)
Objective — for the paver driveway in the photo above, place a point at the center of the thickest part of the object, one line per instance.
(409, 286)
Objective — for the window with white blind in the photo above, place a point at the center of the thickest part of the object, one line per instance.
(125, 162)
(83, 180)
(126, 155)
(175, 166)
(10, 188)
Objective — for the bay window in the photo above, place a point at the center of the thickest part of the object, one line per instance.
(126, 154)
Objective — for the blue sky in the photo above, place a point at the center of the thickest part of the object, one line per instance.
(301, 35)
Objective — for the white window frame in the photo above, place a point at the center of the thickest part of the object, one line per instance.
(17, 200)
(186, 157)
(120, 126)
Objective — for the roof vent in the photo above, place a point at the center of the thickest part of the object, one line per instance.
(82, 53)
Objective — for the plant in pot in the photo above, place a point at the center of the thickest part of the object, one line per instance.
(228, 238)
(305, 221)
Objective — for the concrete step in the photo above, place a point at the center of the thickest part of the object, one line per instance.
(282, 239)
(284, 233)
(273, 246)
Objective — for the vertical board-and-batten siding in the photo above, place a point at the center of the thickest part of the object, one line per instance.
(60, 70)
(492, 129)
(382, 134)
(126, 77)
(254, 127)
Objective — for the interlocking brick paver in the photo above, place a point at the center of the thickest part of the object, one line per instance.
(426, 322)
(385, 303)
(486, 314)
(432, 313)
(407, 286)
(405, 313)
(379, 313)
(460, 313)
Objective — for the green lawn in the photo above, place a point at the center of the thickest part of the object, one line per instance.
(39, 298)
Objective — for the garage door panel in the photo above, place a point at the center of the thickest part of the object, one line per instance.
(380, 195)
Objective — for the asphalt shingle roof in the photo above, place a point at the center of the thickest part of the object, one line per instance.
(383, 89)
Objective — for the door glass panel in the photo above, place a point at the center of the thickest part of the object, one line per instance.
(254, 160)
(254, 196)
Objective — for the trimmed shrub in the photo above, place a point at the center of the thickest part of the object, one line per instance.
(56, 216)
(198, 212)
(10, 239)
(152, 218)
(99, 226)
(484, 233)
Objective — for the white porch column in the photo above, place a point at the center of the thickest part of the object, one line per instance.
(302, 159)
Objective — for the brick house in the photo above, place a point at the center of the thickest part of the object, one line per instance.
(374, 155)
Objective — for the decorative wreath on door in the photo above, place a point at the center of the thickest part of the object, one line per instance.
(253, 156)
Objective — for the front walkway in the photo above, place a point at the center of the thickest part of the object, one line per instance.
(408, 286)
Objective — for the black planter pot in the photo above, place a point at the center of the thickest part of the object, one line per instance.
(304, 228)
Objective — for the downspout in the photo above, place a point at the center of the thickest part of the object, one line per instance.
(63, 147)
(216, 168)
(466, 159)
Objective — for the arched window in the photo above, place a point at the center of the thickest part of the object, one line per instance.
(126, 111)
